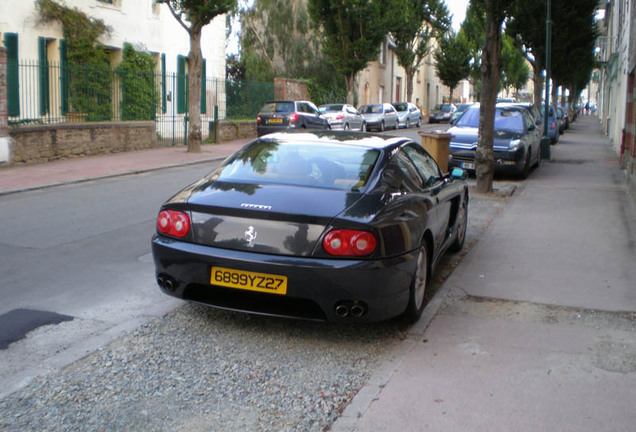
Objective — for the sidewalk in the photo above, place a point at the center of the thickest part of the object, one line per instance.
(28, 177)
(536, 328)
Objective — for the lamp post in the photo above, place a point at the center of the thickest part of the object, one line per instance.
(545, 141)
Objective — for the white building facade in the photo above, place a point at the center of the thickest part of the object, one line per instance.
(145, 24)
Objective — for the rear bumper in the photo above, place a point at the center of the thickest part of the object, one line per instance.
(264, 130)
(316, 287)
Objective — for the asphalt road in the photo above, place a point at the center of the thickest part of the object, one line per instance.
(79, 254)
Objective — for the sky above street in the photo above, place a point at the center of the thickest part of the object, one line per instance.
(457, 8)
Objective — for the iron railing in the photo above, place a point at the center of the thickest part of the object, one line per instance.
(48, 92)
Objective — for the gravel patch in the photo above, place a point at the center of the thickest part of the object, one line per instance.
(205, 369)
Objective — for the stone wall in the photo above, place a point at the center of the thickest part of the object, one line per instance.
(289, 89)
(231, 130)
(45, 143)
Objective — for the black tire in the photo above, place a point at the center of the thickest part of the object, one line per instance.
(526, 166)
(419, 122)
(346, 126)
(461, 226)
(417, 295)
(537, 164)
(363, 128)
(382, 127)
(408, 123)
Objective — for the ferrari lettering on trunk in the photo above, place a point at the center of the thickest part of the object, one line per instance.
(256, 206)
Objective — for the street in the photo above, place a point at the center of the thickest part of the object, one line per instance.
(80, 251)
(537, 312)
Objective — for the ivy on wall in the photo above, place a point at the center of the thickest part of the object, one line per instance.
(89, 73)
(139, 94)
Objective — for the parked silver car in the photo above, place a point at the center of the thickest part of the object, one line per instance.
(343, 117)
(379, 116)
(408, 114)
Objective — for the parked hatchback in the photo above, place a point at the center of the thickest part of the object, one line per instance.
(343, 117)
(276, 116)
(553, 124)
(408, 114)
(442, 113)
(517, 140)
(380, 116)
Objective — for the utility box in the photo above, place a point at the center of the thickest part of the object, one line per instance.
(437, 144)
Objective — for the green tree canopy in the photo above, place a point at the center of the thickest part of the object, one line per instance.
(352, 33)
(515, 71)
(279, 39)
(452, 61)
(416, 24)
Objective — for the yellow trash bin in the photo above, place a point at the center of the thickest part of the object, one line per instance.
(437, 144)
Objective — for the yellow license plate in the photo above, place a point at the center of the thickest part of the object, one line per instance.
(275, 120)
(251, 281)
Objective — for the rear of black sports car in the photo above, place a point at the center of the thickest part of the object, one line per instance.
(245, 257)
(313, 226)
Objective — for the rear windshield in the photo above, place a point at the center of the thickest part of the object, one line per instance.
(550, 112)
(313, 164)
(371, 109)
(279, 107)
(444, 108)
(400, 107)
(327, 108)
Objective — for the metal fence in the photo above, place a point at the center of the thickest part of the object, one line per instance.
(47, 92)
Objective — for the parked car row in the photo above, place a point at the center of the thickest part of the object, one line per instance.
(519, 130)
(277, 116)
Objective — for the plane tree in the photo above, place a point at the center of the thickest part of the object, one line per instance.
(193, 15)
(452, 61)
(417, 24)
(352, 33)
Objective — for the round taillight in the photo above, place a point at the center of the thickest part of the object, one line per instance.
(293, 117)
(342, 242)
(173, 223)
(258, 119)
(339, 116)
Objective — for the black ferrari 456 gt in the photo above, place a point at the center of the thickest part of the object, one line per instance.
(333, 226)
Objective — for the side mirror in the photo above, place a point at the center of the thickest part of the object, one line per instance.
(459, 174)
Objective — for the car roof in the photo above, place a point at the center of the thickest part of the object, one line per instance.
(371, 141)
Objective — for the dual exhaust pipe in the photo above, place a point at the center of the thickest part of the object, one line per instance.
(167, 283)
(349, 308)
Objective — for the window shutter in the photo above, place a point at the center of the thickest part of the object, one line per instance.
(13, 75)
(43, 76)
(64, 76)
(164, 96)
(203, 89)
(181, 85)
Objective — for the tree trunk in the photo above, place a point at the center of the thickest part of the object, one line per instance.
(450, 94)
(490, 67)
(409, 84)
(350, 81)
(195, 69)
(538, 86)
